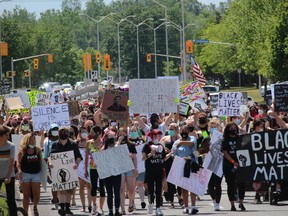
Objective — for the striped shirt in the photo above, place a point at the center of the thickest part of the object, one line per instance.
(7, 152)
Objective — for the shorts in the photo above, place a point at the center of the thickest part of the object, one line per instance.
(128, 173)
(35, 177)
(140, 177)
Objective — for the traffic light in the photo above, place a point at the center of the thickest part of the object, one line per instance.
(98, 57)
(8, 74)
(50, 58)
(149, 58)
(36, 63)
(189, 47)
(3, 49)
(87, 61)
(27, 73)
(107, 63)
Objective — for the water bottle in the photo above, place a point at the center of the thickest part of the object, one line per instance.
(234, 169)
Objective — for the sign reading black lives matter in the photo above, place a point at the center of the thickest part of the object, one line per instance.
(281, 97)
(263, 156)
(64, 176)
(229, 103)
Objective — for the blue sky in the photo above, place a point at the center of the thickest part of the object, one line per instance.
(38, 6)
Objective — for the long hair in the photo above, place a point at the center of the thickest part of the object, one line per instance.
(25, 141)
(227, 132)
(122, 129)
(105, 137)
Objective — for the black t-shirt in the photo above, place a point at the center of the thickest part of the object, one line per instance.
(230, 146)
(69, 146)
(30, 163)
(131, 148)
(155, 163)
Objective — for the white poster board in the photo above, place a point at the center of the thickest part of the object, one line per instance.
(81, 166)
(64, 176)
(229, 103)
(196, 183)
(153, 95)
(24, 98)
(140, 162)
(191, 92)
(199, 105)
(42, 99)
(44, 116)
(113, 161)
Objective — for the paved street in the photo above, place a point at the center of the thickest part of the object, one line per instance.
(205, 207)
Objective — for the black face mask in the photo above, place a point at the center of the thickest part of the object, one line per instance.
(63, 136)
(154, 124)
(233, 132)
(191, 128)
(202, 120)
(110, 141)
(184, 136)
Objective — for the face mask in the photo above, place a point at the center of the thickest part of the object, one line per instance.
(213, 129)
(156, 141)
(110, 141)
(184, 135)
(113, 124)
(171, 133)
(202, 120)
(55, 133)
(191, 128)
(260, 112)
(233, 132)
(260, 130)
(84, 135)
(237, 121)
(25, 127)
(63, 136)
(133, 135)
(31, 146)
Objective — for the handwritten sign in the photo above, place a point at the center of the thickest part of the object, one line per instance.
(84, 92)
(113, 161)
(42, 99)
(74, 108)
(153, 95)
(44, 116)
(22, 95)
(191, 92)
(229, 103)
(184, 109)
(281, 97)
(196, 183)
(14, 103)
(140, 162)
(199, 105)
(115, 104)
(64, 176)
(81, 166)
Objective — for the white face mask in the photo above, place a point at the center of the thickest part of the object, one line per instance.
(84, 135)
(54, 133)
(260, 130)
(260, 111)
(25, 128)
(31, 146)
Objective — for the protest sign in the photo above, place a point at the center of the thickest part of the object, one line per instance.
(74, 108)
(22, 95)
(214, 103)
(281, 97)
(115, 104)
(44, 116)
(113, 161)
(81, 166)
(199, 105)
(14, 103)
(184, 109)
(153, 95)
(64, 176)
(4, 87)
(196, 183)
(42, 99)
(263, 156)
(85, 92)
(191, 92)
(140, 162)
(229, 103)
(214, 158)
(44, 173)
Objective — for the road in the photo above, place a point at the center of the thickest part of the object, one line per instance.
(205, 206)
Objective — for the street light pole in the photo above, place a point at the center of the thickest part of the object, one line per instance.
(183, 40)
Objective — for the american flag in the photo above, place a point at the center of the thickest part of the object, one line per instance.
(197, 72)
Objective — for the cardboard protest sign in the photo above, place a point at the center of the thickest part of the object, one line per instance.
(263, 156)
(64, 176)
(74, 108)
(184, 109)
(113, 161)
(214, 158)
(229, 103)
(81, 166)
(191, 92)
(42, 99)
(44, 116)
(14, 103)
(153, 95)
(140, 162)
(281, 97)
(115, 104)
(196, 183)
(22, 95)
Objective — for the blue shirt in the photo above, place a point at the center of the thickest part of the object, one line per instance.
(183, 150)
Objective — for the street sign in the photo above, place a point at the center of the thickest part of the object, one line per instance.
(200, 41)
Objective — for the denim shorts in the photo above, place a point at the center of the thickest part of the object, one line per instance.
(140, 177)
(128, 173)
(27, 177)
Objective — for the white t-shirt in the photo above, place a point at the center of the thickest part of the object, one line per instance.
(162, 127)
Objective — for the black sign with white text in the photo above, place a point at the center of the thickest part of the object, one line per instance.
(281, 97)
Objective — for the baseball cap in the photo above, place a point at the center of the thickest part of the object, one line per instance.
(54, 126)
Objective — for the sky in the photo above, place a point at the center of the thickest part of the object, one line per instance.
(39, 6)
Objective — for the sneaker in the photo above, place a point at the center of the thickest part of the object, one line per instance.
(94, 210)
(159, 212)
(194, 211)
(241, 206)
(117, 213)
(55, 207)
(143, 205)
(62, 212)
(233, 208)
(186, 210)
(69, 212)
(150, 209)
(100, 212)
(110, 214)
(181, 203)
(216, 207)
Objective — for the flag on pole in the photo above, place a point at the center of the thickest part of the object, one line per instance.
(197, 72)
